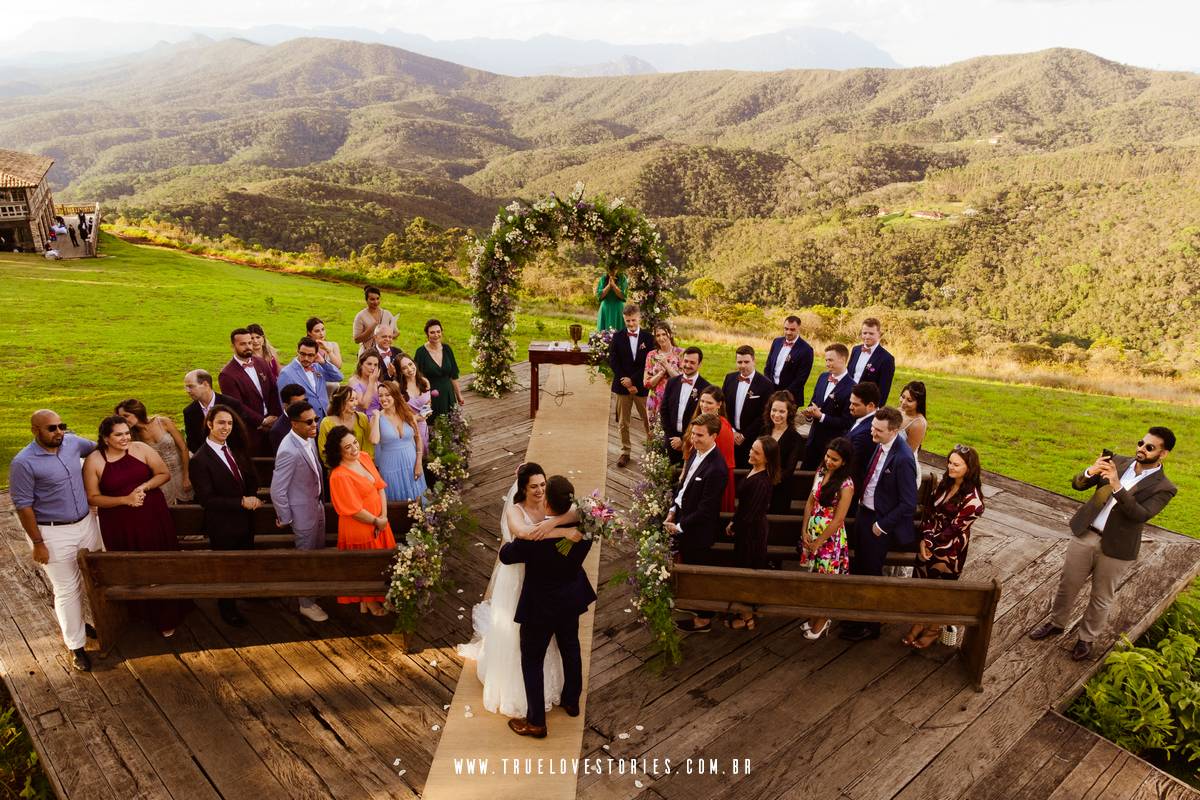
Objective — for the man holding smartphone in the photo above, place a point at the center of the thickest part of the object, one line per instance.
(1108, 532)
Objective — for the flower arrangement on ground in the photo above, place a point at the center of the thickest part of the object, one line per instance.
(418, 571)
(620, 234)
(600, 344)
(643, 524)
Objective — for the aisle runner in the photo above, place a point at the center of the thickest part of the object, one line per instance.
(570, 436)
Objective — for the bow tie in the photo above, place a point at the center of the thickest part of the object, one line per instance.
(689, 381)
(833, 379)
(743, 380)
(633, 335)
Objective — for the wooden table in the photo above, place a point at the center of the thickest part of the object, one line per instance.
(550, 353)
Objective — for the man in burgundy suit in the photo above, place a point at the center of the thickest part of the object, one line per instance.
(248, 379)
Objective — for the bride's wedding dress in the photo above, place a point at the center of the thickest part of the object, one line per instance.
(496, 644)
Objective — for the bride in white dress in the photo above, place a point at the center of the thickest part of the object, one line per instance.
(496, 644)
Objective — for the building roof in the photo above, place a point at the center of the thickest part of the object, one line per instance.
(18, 170)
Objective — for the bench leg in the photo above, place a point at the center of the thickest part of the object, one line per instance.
(973, 652)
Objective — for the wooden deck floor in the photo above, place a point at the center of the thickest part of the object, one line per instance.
(290, 708)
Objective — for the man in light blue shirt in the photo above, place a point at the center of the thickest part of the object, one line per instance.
(46, 485)
(310, 370)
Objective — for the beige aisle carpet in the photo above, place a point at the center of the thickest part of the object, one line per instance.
(570, 437)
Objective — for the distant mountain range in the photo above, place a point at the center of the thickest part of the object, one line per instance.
(78, 39)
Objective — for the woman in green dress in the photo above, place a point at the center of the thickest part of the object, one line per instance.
(610, 291)
(436, 362)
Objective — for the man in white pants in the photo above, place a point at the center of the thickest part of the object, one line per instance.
(46, 485)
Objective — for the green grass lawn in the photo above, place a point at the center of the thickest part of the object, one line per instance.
(80, 336)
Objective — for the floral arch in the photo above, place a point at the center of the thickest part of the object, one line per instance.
(620, 234)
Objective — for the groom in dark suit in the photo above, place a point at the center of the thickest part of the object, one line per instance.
(554, 594)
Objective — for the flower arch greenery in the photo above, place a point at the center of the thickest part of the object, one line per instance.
(620, 234)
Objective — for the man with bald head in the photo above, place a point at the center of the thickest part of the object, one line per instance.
(199, 386)
(389, 355)
(46, 484)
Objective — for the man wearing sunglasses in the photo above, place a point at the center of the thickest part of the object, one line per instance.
(47, 489)
(1108, 532)
(296, 489)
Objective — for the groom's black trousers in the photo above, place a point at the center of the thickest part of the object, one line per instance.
(535, 639)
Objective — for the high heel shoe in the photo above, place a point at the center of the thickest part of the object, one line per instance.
(814, 635)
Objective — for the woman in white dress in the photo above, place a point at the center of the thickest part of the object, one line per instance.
(496, 645)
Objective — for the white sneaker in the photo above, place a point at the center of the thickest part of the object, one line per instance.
(314, 612)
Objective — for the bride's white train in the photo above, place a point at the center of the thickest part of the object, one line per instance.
(496, 643)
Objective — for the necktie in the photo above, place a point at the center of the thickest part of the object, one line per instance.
(233, 467)
(871, 469)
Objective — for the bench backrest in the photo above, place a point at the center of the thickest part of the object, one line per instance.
(236, 567)
(189, 519)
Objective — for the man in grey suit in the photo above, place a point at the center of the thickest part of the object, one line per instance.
(296, 490)
(1108, 532)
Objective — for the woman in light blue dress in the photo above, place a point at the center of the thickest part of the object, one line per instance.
(398, 447)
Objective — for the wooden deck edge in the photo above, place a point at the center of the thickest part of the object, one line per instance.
(1134, 633)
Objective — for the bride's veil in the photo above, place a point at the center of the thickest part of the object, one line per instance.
(505, 535)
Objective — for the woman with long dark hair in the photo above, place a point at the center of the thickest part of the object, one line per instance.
(359, 496)
(949, 513)
(913, 424)
(436, 361)
(749, 524)
(779, 422)
(418, 394)
(123, 480)
(823, 546)
(343, 410)
(398, 447)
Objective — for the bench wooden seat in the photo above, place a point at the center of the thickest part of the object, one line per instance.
(189, 521)
(971, 604)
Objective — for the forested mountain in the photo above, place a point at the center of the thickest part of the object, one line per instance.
(1058, 189)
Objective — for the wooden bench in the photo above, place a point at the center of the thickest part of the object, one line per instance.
(970, 604)
(272, 569)
(112, 579)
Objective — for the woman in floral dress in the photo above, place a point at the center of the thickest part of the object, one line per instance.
(823, 546)
(662, 364)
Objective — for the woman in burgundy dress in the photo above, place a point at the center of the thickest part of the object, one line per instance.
(946, 529)
(122, 478)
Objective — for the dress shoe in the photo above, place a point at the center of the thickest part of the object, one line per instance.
(1083, 650)
(89, 631)
(572, 710)
(1045, 630)
(80, 660)
(859, 633)
(689, 626)
(623, 461)
(314, 612)
(521, 727)
(233, 618)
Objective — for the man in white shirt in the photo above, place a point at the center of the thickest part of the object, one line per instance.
(746, 392)
(679, 402)
(198, 385)
(627, 357)
(870, 361)
(1107, 530)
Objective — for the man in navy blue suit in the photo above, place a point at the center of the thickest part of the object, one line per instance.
(679, 402)
(864, 402)
(885, 511)
(694, 519)
(829, 409)
(746, 391)
(790, 361)
(627, 357)
(869, 361)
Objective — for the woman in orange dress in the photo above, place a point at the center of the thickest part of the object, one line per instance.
(357, 493)
(712, 401)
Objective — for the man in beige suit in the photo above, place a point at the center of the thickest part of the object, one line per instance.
(1108, 533)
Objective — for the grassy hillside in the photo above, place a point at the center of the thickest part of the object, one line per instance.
(80, 336)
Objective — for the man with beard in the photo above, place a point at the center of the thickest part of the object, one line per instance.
(1107, 530)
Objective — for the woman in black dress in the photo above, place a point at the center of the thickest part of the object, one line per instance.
(749, 526)
(779, 422)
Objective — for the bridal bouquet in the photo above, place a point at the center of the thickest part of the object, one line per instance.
(597, 520)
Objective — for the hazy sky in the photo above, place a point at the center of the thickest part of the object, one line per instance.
(1151, 33)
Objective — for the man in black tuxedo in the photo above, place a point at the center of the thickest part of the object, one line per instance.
(829, 408)
(884, 520)
(679, 402)
(746, 393)
(869, 361)
(695, 515)
(864, 402)
(199, 386)
(627, 357)
(790, 361)
(554, 594)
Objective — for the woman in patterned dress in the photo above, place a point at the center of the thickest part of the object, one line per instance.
(662, 364)
(823, 547)
(163, 435)
(946, 529)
